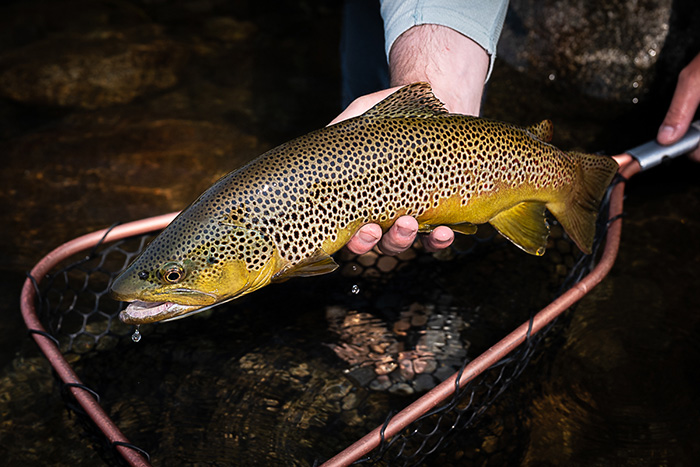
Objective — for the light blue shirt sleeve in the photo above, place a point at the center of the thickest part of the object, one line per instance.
(479, 20)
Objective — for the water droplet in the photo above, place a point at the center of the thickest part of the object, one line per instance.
(552, 77)
(635, 85)
(355, 289)
(635, 100)
(136, 336)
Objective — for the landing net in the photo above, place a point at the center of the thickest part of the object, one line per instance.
(68, 312)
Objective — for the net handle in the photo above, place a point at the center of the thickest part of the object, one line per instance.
(652, 153)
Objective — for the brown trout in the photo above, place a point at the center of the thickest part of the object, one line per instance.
(283, 214)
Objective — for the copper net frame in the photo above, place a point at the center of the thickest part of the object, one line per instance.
(632, 162)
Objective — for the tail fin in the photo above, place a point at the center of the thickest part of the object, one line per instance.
(578, 213)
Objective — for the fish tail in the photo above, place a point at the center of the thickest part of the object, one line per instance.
(579, 212)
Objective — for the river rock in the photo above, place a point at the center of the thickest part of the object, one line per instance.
(608, 50)
(93, 69)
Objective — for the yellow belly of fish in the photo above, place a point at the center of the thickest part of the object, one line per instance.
(451, 212)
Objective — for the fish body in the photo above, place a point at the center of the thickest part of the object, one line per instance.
(283, 214)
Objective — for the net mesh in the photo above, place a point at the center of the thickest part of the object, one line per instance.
(74, 305)
(75, 309)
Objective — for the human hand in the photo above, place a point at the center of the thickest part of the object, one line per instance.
(399, 237)
(684, 104)
(456, 67)
(403, 233)
(363, 103)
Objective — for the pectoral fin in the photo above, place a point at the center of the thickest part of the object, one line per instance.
(318, 263)
(466, 228)
(525, 225)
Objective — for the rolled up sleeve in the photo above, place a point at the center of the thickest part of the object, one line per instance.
(479, 20)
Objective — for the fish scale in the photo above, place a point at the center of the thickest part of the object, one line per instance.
(283, 214)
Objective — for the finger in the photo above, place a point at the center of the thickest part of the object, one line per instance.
(365, 239)
(695, 155)
(400, 236)
(683, 104)
(440, 238)
(363, 104)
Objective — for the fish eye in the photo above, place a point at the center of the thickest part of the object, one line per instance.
(173, 273)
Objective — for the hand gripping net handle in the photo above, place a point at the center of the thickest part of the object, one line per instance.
(652, 153)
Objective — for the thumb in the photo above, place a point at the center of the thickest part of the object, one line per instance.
(683, 105)
(362, 104)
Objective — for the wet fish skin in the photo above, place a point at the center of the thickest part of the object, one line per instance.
(283, 214)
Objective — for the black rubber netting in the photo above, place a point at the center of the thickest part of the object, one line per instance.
(74, 303)
(74, 306)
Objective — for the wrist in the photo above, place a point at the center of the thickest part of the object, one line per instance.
(453, 64)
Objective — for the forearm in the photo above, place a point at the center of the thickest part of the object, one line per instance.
(453, 64)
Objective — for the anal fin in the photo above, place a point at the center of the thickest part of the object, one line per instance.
(525, 225)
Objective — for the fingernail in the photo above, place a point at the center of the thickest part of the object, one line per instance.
(404, 232)
(368, 237)
(666, 132)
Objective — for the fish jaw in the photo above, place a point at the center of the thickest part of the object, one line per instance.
(144, 311)
(139, 312)
(147, 307)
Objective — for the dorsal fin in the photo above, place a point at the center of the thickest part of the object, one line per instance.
(413, 101)
(543, 131)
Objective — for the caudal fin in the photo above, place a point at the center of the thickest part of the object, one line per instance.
(579, 212)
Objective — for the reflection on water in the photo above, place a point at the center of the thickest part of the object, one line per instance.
(186, 91)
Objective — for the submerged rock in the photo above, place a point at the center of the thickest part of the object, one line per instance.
(608, 50)
(92, 70)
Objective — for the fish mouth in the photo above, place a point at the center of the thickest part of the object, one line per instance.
(138, 312)
(143, 312)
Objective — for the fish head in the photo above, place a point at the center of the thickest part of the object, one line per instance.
(193, 265)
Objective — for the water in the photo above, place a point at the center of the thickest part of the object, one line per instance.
(619, 386)
(622, 389)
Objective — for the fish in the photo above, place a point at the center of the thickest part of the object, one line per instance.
(285, 213)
